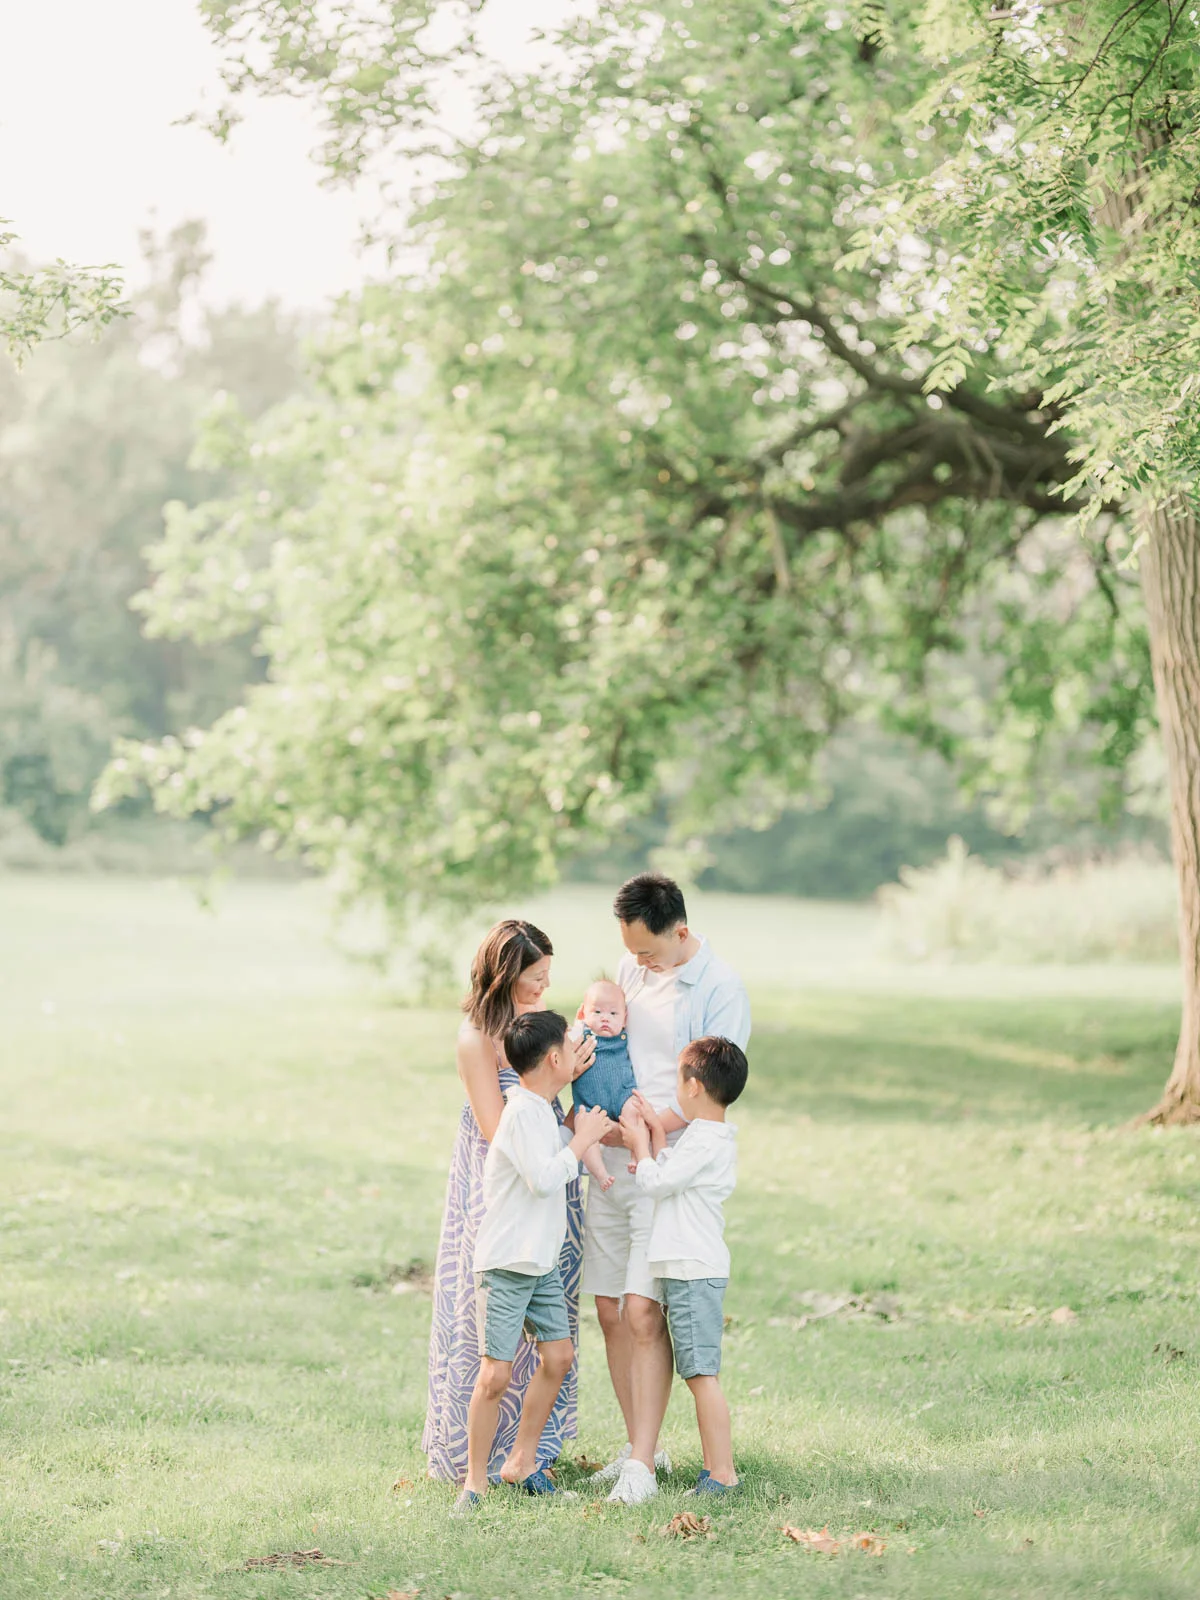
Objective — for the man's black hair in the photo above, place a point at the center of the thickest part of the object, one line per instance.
(653, 900)
(720, 1065)
(529, 1038)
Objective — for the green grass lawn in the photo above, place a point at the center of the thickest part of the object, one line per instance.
(216, 1138)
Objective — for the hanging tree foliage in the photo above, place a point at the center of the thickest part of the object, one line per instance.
(51, 302)
(629, 476)
(1079, 155)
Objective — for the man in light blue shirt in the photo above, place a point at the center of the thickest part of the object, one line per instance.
(677, 990)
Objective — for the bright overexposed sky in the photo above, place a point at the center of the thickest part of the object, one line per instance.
(89, 90)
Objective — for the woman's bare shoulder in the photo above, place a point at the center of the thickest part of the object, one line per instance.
(474, 1046)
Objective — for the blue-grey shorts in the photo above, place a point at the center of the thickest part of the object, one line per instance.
(696, 1318)
(506, 1303)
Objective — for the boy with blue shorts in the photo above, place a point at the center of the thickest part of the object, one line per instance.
(525, 1175)
(689, 1184)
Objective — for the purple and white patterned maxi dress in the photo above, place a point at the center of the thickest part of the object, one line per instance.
(454, 1339)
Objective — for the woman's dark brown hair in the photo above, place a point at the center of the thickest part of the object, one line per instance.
(506, 952)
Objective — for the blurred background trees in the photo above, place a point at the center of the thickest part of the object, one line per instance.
(612, 524)
(94, 438)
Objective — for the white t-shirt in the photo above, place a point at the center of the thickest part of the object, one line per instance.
(689, 1184)
(651, 1028)
(525, 1177)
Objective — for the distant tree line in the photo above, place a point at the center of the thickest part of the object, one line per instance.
(96, 436)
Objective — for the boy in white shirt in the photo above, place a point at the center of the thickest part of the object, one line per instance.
(689, 1183)
(525, 1174)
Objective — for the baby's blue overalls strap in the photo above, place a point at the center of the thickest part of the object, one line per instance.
(609, 1081)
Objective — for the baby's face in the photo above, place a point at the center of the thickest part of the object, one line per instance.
(604, 1009)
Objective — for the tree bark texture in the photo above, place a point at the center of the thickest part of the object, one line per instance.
(1170, 573)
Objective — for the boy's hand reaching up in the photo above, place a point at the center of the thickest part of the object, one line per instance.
(648, 1114)
(590, 1127)
(634, 1129)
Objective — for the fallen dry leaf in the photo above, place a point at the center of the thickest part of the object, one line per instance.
(687, 1525)
(1063, 1315)
(586, 1464)
(401, 1484)
(822, 1544)
(1169, 1351)
(869, 1544)
(637, 1538)
(292, 1558)
(981, 1512)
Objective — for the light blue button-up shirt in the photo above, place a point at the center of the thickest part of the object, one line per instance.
(710, 997)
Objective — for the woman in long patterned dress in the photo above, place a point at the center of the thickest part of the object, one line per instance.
(509, 975)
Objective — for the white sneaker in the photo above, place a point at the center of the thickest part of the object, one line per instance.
(635, 1484)
(610, 1473)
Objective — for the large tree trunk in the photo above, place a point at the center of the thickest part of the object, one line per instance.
(1170, 572)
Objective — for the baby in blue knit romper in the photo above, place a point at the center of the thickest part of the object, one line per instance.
(609, 1081)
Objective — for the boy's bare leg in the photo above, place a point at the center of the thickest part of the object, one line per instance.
(555, 1358)
(593, 1161)
(650, 1374)
(482, 1416)
(712, 1418)
(618, 1347)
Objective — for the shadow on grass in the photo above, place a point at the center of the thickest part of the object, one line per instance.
(875, 1058)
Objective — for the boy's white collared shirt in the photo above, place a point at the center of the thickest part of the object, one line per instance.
(689, 1184)
(525, 1177)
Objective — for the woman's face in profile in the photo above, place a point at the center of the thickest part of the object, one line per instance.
(533, 983)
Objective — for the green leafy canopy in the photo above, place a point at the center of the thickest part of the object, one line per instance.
(623, 484)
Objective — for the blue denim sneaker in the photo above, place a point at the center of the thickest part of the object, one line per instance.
(538, 1482)
(707, 1484)
(467, 1504)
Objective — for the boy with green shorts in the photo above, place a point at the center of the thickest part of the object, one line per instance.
(525, 1175)
(689, 1184)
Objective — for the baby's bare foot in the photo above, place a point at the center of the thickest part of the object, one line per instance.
(606, 1182)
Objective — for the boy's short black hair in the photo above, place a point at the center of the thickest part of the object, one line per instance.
(720, 1065)
(530, 1038)
(653, 900)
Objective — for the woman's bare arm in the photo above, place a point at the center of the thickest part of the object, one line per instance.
(477, 1068)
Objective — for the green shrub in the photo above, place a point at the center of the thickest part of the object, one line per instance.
(1121, 908)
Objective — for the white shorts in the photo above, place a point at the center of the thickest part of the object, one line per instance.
(617, 1235)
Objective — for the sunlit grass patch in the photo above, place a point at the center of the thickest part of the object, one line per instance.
(212, 1187)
